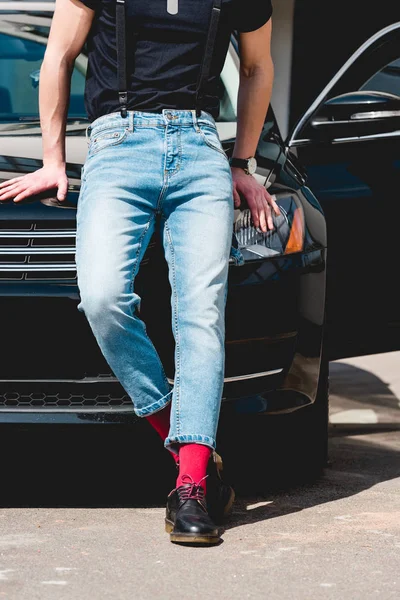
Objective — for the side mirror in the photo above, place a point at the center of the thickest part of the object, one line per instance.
(358, 114)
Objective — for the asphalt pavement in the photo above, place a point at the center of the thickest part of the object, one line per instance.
(82, 513)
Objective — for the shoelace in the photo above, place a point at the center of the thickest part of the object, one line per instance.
(192, 490)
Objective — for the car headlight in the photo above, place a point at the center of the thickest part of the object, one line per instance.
(286, 238)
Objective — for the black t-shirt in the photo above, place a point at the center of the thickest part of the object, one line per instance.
(164, 65)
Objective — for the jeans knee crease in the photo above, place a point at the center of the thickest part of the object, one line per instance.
(135, 265)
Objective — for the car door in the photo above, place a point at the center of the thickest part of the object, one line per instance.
(349, 143)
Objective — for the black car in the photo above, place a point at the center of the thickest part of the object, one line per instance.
(292, 306)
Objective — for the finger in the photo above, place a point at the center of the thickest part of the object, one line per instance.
(25, 194)
(263, 214)
(62, 189)
(11, 192)
(268, 213)
(10, 187)
(8, 181)
(272, 202)
(254, 209)
(236, 198)
(263, 220)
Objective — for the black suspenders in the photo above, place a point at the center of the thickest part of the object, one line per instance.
(121, 55)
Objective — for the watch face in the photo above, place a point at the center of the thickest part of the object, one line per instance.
(252, 165)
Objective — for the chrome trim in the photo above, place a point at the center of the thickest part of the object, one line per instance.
(245, 377)
(336, 78)
(28, 250)
(301, 142)
(323, 122)
(28, 267)
(252, 375)
(37, 233)
(115, 380)
(376, 114)
(364, 138)
(367, 138)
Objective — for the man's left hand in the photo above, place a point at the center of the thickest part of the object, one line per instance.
(260, 202)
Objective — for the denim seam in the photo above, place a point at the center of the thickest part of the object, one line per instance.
(165, 178)
(167, 172)
(162, 192)
(221, 151)
(155, 406)
(190, 437)
(178, 167)
(176, 328)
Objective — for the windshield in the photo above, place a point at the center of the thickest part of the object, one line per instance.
(21, 56)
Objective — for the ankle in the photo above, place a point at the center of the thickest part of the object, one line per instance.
(193, 461)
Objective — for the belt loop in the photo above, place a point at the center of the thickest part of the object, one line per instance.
(194, 116)
(131, 126)
(87, 134)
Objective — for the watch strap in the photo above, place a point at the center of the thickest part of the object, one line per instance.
(241, 163)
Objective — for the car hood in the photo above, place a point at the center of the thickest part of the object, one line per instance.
(21, 152)
(21, 149)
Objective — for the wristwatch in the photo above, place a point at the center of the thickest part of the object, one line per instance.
(249, 165)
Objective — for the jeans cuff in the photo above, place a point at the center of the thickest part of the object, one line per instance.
(155, 407)
(171, 443)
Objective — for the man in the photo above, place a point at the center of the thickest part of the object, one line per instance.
(155, 156)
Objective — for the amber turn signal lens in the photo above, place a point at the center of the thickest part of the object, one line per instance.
(296, 238)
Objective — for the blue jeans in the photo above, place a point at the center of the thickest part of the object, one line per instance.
(170, 165)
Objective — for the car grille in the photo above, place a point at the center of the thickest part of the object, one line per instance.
(43, 250)
(90, 394)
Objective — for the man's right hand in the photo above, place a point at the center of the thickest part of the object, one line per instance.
(48, 177)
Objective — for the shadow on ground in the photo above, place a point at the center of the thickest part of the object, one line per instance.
(109, 466)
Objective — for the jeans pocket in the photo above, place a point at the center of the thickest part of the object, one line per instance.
(100, 140)
(210, 136)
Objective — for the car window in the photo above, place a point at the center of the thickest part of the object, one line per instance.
(386, 79)
(20, 62)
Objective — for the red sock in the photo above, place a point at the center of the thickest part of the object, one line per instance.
(193, 460)
(160, 422)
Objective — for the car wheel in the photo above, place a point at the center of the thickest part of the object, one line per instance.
(266, 452)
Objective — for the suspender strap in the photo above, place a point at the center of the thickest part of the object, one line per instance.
(208, 53)
(121, 56)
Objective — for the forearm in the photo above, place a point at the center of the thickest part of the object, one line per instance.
(54, 91)
(254, 96)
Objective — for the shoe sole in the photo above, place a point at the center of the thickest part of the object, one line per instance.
(188, 538)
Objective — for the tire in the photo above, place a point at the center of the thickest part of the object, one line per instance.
(266, 452)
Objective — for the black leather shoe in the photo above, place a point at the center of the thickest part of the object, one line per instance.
(220, 495)
(187, 520)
